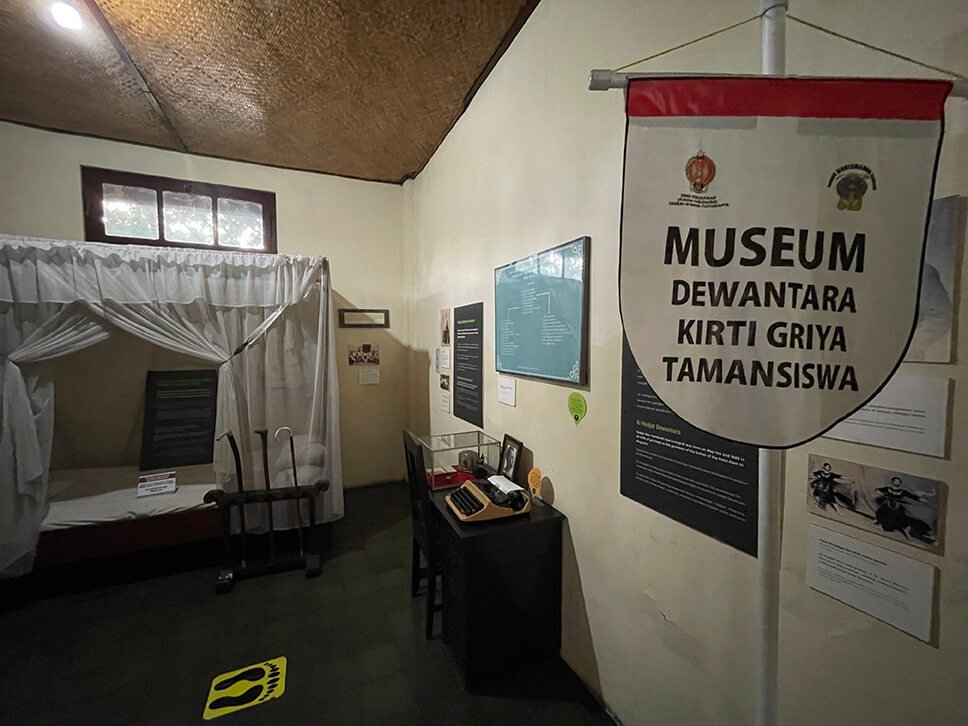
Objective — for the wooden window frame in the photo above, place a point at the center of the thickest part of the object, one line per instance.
(92, 179)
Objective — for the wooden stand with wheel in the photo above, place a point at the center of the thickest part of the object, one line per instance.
(238, 568)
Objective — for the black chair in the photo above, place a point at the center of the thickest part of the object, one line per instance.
(424, 534)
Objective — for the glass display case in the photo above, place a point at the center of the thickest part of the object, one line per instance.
(442, 454)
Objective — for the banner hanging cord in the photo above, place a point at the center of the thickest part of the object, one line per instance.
(869, 46)
(806, 23)
(674, 48)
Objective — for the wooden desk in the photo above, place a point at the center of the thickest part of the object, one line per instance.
(502, 589)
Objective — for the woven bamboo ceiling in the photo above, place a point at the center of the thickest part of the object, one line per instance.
(361, 88)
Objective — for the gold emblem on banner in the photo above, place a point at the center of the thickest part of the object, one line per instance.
(851, 189)
(853, 181)
(700, 171)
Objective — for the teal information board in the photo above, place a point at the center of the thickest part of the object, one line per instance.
(540, 315)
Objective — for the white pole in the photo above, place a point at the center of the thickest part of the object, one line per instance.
(774, 36)
(770, 479)
(769, 539)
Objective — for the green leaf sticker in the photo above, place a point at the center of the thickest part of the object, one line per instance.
(577, 407)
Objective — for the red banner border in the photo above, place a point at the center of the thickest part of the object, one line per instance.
(901, 99)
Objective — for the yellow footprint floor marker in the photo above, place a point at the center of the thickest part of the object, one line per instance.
(246, 687)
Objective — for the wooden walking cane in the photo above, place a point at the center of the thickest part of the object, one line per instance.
(295, 480)
(238, 482)
(264, 436)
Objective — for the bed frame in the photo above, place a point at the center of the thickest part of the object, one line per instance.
(73, 544)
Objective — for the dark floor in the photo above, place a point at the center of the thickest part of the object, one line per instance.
(145, 651)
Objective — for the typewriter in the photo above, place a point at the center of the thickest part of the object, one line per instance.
(483, 500)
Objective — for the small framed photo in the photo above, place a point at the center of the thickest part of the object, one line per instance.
(445, 326)
(364, 318)
(510, 457)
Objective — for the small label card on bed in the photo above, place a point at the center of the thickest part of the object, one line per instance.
(149, 484)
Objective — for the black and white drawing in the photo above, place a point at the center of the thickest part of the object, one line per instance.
(444, 382)
(932, 336)
(901, 506)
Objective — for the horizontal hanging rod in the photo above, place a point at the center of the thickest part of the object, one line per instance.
(603, 80)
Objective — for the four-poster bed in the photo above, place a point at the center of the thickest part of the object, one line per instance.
(263, 320)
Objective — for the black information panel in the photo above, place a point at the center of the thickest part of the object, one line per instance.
(469, 363)
(179, 427)
(707, 483)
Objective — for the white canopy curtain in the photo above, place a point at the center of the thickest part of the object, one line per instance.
(58, 297)
(30, 333)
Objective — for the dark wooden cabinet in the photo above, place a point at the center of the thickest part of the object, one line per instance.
(501, 590)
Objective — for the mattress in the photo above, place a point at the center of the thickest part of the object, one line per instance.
(81, 497)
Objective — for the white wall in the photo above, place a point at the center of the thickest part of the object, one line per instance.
(659, 618)
(355, 224)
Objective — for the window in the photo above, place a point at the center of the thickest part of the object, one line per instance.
(139, 209)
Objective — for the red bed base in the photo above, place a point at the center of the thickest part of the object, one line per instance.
(61, 546)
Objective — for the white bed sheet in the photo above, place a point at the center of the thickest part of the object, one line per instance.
(79, 497)
(122, 504)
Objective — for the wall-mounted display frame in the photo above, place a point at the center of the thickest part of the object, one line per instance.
(541, 314)
(364, 318)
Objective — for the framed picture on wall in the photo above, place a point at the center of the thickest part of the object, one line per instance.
(364, 318)
(445, 326)
(541, 309)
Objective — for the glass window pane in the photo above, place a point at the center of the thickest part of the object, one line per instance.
(240, 224)
(130, 211)
(188, 218)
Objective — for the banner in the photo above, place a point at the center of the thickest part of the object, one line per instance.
(469, 363)
(772, 239)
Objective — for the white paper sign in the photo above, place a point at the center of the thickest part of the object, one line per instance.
(507, 388)
(910, 414)
(772, 235)
(893, 588)
(369, 376)
(151, 484)
(445, 358)
(445, 401)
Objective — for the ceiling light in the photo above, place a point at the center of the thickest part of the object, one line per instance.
(66, 15)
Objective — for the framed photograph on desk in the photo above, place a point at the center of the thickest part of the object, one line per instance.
(510, 457)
